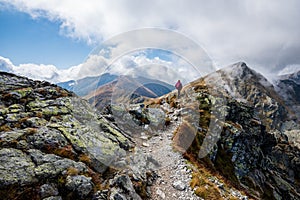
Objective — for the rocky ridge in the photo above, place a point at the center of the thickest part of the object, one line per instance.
(53, 146)
(252, 150)
(176, 175)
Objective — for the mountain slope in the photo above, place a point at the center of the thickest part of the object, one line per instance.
(247, 86)
(247, 147)
(288, 87)
(127, 89)
(83, 87)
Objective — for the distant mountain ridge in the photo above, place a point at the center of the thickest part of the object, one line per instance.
(128, 88)
(83, 87)
(288, 87)
(90, 86)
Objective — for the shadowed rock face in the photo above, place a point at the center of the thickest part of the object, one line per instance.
(288, 87)
(253, 151)
(49, 138)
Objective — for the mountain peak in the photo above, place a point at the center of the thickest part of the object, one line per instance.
(248, 86)
(240, 64)
(239, 69)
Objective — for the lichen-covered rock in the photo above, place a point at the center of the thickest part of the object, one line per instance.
(247, 153)
(52, 143)
(123, 189)
(15, 168)
(254, 146)
(48, 190)
(80, 184)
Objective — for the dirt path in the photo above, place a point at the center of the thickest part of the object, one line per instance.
(174, 174)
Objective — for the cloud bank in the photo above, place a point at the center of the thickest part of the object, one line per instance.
(265, 34)
(133, 64)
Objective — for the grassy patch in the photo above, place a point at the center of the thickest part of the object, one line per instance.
(72, 171)
(204, 188)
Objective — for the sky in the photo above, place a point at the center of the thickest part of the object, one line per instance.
(27, 40)
(62, 33)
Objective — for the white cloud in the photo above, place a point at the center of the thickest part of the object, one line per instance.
(33, 71)
(135, 64)
(261, 33)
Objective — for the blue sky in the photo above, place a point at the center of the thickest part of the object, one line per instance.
(264, 34)
(27, 40)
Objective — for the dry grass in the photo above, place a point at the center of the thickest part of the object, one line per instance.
(72, 171)
(66, 152)
(153, 103)
(85, 159)
(5, 128)
(39, 114)
(204, 188)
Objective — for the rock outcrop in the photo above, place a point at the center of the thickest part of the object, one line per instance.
(53, 145)
(251, 151)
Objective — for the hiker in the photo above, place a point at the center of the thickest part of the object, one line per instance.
(178, 86)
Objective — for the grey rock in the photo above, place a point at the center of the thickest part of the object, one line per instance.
(124, 188)
(179, 185)
(15, 168)
(145, 144)
(50, 165)
(48, 190)
(116, 195)
(101, 195)
(53, 198)
(45, 136)
(82, 185)
(40, 158)
(161, 194)
(11, 135)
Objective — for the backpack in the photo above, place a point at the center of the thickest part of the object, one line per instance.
(178, 85)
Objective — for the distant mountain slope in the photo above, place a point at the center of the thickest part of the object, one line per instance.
(128, 89)
(83, 87)
(288, 87)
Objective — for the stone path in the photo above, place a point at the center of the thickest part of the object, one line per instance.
(174, 174)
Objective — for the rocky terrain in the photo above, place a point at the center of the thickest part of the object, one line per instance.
(288, 87)
(252, 150)
(53, 146)
(230, 135)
